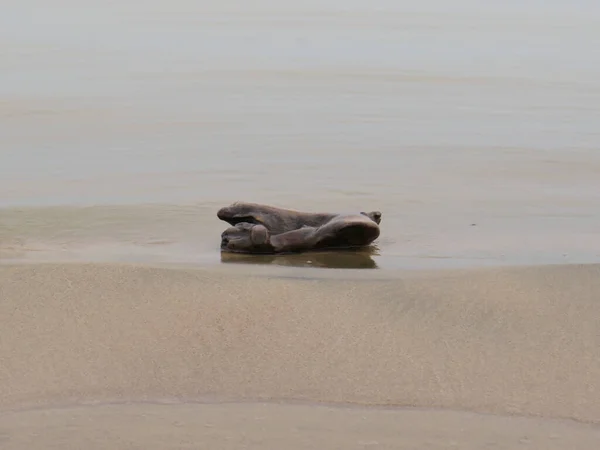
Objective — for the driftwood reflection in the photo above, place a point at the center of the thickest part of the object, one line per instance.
(332, 259)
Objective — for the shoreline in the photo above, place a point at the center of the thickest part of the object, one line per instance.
(188, 234)
(298, 272)
(329, 264)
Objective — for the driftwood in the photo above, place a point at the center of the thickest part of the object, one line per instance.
(264, 229)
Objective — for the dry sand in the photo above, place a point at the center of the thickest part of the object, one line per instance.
(83, 346)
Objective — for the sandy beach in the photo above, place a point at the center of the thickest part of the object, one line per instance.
(481, 344)
(471, 324)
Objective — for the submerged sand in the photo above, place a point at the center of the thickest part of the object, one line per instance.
(513, 341)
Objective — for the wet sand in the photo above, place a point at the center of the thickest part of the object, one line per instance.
(465, 347)
(276, 426)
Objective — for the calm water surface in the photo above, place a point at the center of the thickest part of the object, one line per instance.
(125, 125)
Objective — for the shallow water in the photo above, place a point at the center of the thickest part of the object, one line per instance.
(474, 128)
